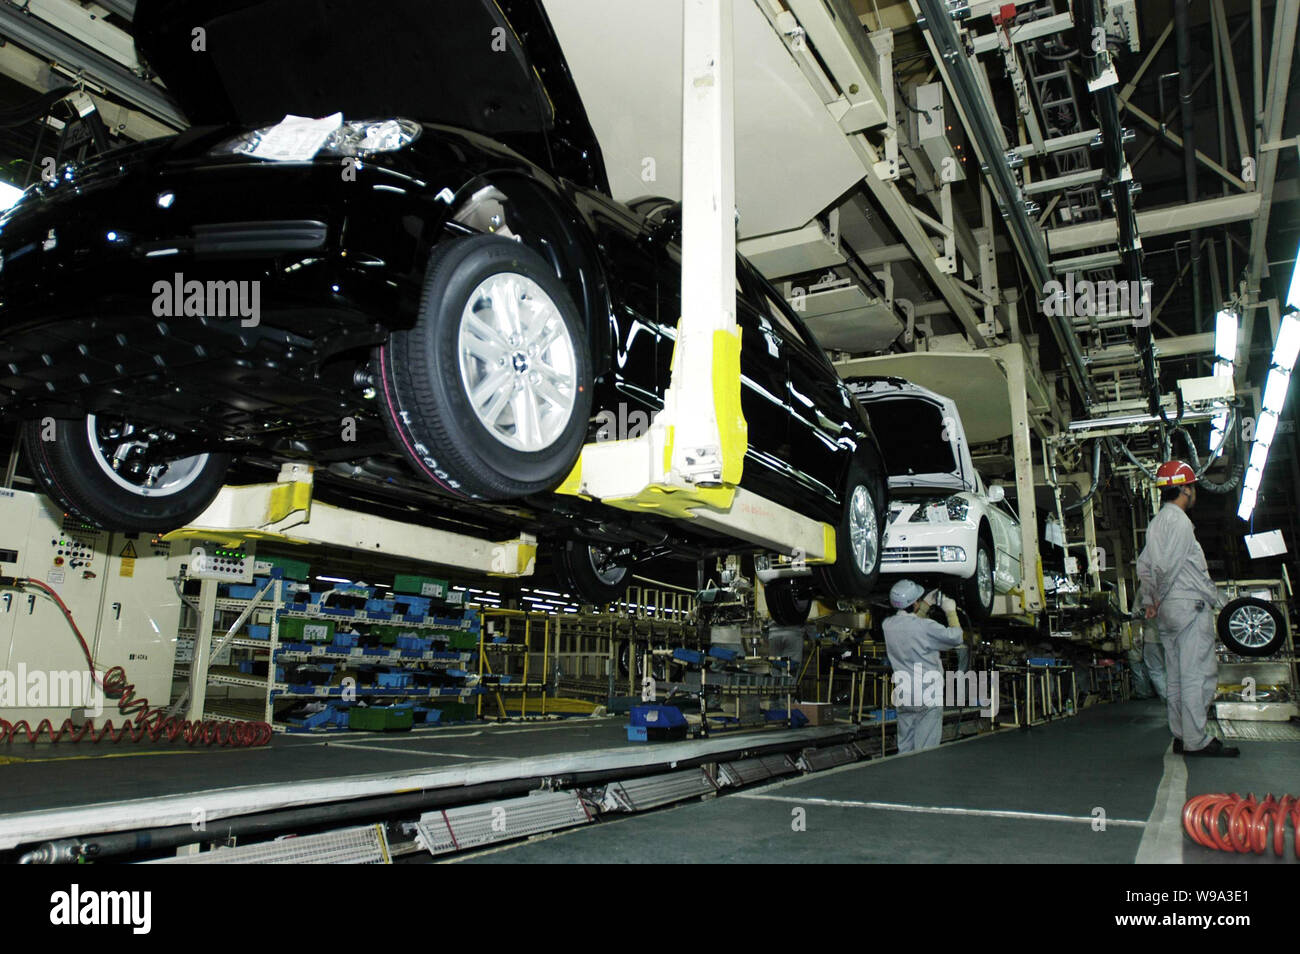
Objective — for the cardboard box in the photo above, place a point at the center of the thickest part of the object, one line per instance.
(817, 713)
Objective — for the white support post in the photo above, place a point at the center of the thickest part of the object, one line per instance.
(1022, 448)
(201, 658)
(708, 241)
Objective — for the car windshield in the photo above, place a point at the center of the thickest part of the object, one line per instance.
(912, 433)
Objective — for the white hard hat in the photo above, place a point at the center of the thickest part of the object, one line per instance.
(904, 593)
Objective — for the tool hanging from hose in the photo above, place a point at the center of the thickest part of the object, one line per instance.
(142, 720)
(1242, 825)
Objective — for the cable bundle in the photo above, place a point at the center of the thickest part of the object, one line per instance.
(1242, 825)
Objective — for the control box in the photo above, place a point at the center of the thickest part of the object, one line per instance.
(200, 560)
(117, 591)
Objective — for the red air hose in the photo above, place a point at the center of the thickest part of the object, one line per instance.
(151, 723)
(1242, 825)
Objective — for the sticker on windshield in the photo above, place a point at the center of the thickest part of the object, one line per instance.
(296, 138)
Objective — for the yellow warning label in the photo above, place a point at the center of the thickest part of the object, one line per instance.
(127, 568)
(128, 551)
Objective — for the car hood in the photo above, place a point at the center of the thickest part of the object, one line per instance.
(493, 68)
(920, 434)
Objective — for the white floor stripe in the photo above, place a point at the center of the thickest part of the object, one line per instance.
(419, 752)
(942, 810)
(1162, 842)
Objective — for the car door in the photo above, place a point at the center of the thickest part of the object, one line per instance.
(1006, 540)
(821, 414)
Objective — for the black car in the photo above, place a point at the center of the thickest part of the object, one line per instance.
(441, 303)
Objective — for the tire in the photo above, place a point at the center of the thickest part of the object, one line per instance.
(1252, 627)
(589, 577)
(977, 591)
(74, 468)
(784, 605)
(488, 446)
(857, 566)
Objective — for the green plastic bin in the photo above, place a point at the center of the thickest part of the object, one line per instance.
(381, 718)
(296, 629)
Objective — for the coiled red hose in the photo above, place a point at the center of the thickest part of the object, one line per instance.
(151, 723)
(1242, 825)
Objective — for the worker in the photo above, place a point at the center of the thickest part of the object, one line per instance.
(913, 642)
(1178, 594)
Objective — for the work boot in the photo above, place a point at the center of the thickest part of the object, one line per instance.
(1216, 749)
(1178, 746)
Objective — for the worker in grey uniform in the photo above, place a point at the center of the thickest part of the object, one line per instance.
(1179, 595)
(913, 642)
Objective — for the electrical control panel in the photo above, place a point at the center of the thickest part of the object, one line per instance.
(116, 590)
(198, 560)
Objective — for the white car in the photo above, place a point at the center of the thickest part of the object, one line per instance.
(944, 523)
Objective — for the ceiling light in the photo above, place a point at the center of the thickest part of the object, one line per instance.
(1225, 336)
(1265, 428)
(1252, 478)
(1258, 457)
(1247, 504)
(1275, 390)
(1288, 343)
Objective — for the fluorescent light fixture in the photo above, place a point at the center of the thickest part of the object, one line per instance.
(8, 195)
(1265, 428)
(1252, 478)
(1225, 336)
(1293, 295)
(1275, 390)
(1247, 504)
(1258, 457)
(333, 579)
(1288, 343)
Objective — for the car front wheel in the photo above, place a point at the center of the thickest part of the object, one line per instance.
(595, 575)
(857, 543)
(977, 590)
(119, 475)
(488, 395)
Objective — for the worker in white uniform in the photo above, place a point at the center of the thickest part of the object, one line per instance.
(1179, 595)
(913, 642)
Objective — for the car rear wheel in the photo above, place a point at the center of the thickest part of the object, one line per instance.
(594, 574)
(785, 604)
(488, 395)
(977, 591)
(857, 542)
(1252, 627)
(118, 475)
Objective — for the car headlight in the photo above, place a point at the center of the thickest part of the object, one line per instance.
(952, 554)
(941, 511)
(358, 138)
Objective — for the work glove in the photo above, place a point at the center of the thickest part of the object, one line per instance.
(948, 605)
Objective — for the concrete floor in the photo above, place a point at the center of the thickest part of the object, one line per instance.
(1025, 796)
(1013, 796)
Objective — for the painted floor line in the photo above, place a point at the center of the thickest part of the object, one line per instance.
(419, 752)
(943, 810)
(1162, 842)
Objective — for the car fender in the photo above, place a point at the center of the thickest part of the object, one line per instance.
(535, 210)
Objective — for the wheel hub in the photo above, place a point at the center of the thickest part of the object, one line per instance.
(517, 362)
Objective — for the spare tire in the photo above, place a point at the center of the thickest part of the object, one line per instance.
(1252, 627)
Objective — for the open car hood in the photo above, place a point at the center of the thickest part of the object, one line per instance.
(493, 68)
(920, 435)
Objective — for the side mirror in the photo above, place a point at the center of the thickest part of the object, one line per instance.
(997, 494)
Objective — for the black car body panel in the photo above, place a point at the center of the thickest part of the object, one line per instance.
(98, 266)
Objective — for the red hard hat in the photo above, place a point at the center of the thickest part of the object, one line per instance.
(1174, 473)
